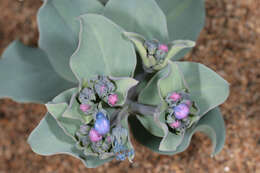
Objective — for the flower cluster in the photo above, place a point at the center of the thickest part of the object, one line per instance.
(181, 112)
(97, 137)
(120, 148)
(155, 49)
(98, 89)
(94, 138)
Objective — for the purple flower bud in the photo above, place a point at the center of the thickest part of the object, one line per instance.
(94, 136)
(102, 124)
(181, 111)
(85, 107)
(175, 124)
(163, 47)
(175, 96)
(112, 99)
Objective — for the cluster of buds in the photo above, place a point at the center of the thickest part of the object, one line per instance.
(181, 111)
(100, 89)
(156, 50)
(94, 138)
(155, 55)
(97, 139)
(120, 148)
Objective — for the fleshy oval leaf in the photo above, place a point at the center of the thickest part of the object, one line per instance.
(102, 50)
(59, 30)
(142, 17)
(150, 96)
(25, 83)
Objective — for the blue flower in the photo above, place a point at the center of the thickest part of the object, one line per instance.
(102, 124)
(121, 157)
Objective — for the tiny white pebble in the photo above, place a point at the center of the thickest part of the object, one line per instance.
(226, 169)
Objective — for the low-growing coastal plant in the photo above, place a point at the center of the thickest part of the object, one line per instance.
(108, 69)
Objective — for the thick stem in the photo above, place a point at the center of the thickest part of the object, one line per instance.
(120, 116)
(141, 109)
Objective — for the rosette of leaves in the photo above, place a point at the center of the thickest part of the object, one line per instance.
(86, 72)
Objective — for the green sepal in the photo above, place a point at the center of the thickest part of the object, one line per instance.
(125, 124)
(138, 41)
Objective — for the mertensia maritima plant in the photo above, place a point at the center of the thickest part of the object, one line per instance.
(103, 69)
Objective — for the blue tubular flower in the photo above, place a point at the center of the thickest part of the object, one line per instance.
(181, 111)
(131, 153)
(102, 124)
(120, 157)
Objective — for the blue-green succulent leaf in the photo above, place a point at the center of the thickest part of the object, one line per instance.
(123, 85)
(59, 30)
(150, 96)
(102, 50)
(185, 20)
(48, 138)
(142, 17)
(103, 1)
(32, 79)
(58, 107)
(207, 88)
(212, 124)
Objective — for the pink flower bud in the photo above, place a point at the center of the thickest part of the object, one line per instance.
(175, 124)
(112, 99)
(188, 102)
(94, 136)
(84, 107)
(102, 88)
(163, 47)
(175, 96)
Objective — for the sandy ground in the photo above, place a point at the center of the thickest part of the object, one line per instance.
(229, 44)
